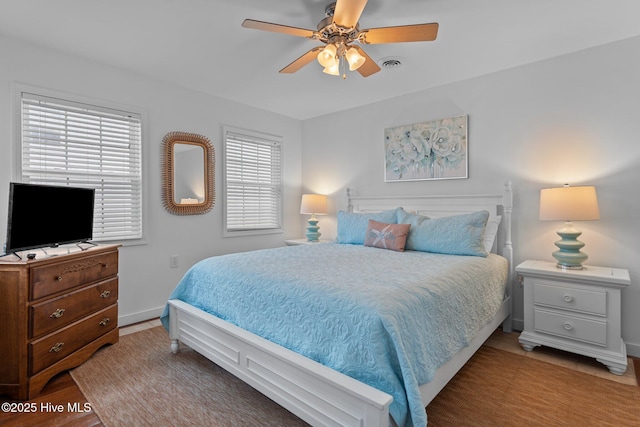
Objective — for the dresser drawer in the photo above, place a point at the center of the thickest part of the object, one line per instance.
(56, 346)
(53, 314)
(575, 328)
(59, 277)
(582, 300)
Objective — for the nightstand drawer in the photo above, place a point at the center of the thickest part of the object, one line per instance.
(575, 328)
(585, 301)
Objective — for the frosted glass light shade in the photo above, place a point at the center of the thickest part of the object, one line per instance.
(354, 59)
(569, 203)
(334, 70)
(327, 56)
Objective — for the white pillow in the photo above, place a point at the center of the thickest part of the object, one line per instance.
(490, 232)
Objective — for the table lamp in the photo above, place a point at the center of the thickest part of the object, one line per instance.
(569, 204)
(314, 204)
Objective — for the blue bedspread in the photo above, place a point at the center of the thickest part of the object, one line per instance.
(388, 319)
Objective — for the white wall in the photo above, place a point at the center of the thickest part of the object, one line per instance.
(572, 119)
(145, 277)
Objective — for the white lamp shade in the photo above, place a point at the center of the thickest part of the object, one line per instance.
(569, 204)
(313, 204)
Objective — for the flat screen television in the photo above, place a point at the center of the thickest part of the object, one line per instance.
(47, 215)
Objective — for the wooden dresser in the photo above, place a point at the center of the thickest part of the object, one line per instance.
(55, 313)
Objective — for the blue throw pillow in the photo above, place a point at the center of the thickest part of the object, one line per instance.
(352, 227)
(456, 235)
(402, 215)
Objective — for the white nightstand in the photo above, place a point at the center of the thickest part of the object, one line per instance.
(294, 242)
(575, 310)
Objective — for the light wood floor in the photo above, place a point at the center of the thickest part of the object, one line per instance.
(587, 365)
(62, 389)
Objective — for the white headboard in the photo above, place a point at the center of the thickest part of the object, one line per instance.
(436, 206)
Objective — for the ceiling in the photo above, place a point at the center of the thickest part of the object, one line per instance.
(200, 44)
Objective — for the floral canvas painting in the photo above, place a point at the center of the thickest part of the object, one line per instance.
(429, 150)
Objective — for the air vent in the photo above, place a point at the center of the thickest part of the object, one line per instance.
(391, 62)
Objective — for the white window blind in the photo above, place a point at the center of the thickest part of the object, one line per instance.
(253, 181)
(72, 144)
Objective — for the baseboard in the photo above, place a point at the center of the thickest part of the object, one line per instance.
(518, 325)
(633, 349)
(141, 316)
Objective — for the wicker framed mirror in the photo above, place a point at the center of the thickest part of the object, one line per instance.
(188, 186)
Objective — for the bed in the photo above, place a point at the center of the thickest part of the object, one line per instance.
(322, 375)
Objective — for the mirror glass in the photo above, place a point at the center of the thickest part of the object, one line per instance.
(188, 176)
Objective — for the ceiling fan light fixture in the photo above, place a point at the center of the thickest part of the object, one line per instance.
(333, 70)
(354, 59)
(327, 56)
(338, 30)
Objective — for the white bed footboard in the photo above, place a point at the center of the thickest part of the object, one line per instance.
(315, 393)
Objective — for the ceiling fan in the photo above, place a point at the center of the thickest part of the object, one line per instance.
(338, 31)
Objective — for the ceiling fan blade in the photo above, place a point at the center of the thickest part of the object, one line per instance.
(401, 34)
(277, 28)
(302, 61)
(347, 12)
(369, 67)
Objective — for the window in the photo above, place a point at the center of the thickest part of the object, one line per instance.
(68, 143)
(253, 182)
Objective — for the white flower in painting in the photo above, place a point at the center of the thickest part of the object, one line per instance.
(422, 134)
(399, 154)
(449, 146)
(413, 150)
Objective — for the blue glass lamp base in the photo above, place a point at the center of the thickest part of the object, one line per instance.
(568, 255)
(312, 230)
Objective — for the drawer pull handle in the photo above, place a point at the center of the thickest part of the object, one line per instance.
(568, 326)
(59, 278)
(56, 348)
(105, 321)
(567, 298)
(105, 294)
(105, 265)
(57, 314)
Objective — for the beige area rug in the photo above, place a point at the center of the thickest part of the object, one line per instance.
(139, 382)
